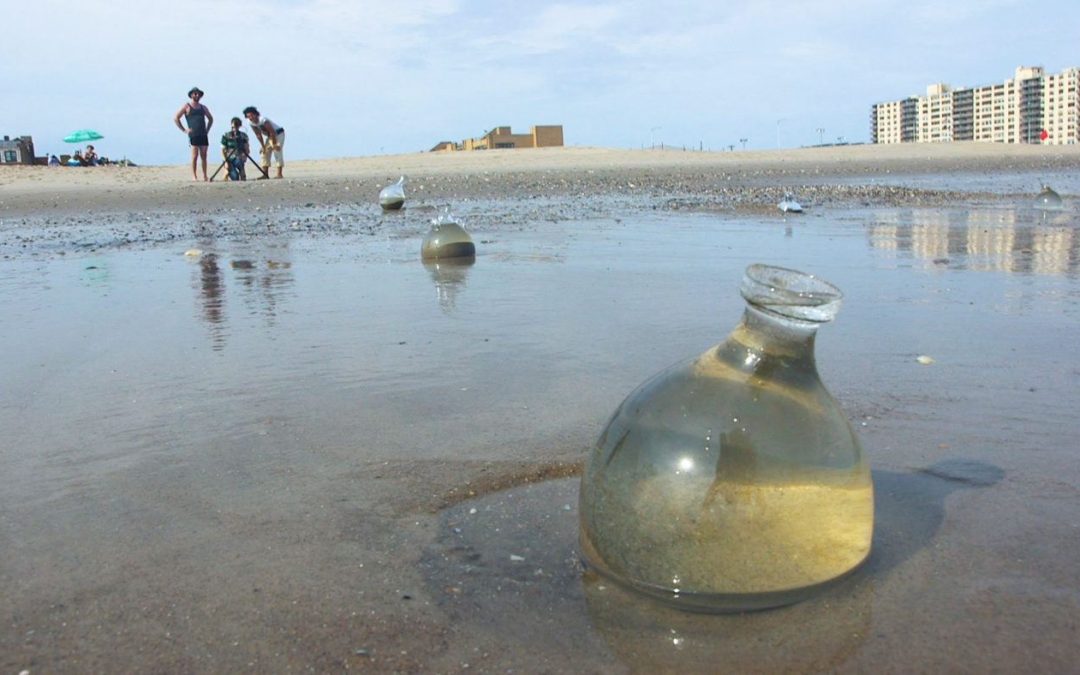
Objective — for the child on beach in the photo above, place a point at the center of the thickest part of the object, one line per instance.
(273, 143)
(199, 121)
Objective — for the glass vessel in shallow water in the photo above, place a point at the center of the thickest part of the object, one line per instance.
(447, 239)
(733, 481)
(1048, 200)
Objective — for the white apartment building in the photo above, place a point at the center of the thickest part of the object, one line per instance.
(1032, 107)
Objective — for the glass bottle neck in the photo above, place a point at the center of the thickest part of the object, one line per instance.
(764, 332)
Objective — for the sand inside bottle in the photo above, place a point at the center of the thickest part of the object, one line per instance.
(746, 538)
(754, 507)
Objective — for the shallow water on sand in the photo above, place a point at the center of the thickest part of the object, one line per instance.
(179, 430)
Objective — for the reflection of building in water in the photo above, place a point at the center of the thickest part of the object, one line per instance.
(1050, 249)
(883, 236)
(991, 241)
(929, 235)
(983, 240)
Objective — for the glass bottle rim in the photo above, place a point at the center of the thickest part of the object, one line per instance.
(790, 293)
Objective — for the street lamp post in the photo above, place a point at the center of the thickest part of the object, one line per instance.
(743, 141)
(821, 135)
(652, 139)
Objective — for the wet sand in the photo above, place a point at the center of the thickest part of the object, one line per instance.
(305, 450)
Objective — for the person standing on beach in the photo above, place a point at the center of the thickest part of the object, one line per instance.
(199, 120)
(271, 138)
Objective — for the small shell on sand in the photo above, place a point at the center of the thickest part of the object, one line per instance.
(925, 360)
(193, 253)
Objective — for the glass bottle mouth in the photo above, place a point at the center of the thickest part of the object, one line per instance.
(790, 293)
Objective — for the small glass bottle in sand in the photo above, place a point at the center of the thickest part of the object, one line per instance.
(734, 481)
(392, 197)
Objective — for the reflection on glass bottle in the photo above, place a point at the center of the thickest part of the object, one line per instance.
(449, 276)
(392, 197)
(733, 481)
(446, 239)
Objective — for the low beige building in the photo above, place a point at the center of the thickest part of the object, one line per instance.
(499, 138)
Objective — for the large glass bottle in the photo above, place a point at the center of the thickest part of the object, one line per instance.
(734, 481)
(446, 239)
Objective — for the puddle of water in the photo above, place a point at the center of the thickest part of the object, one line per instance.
(507, 566)
(165, 417)
(997, 182)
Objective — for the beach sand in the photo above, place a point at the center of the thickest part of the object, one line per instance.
(522, 173)
(301, 449)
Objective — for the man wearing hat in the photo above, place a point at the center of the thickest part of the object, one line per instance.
(199, 120)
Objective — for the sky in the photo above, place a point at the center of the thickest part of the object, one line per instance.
(367, 77)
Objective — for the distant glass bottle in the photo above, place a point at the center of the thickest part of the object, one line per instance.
(446, 239)
(734, 481)
(392, 197)
(1048, 200)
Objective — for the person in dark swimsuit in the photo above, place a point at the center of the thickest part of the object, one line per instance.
(199, 120)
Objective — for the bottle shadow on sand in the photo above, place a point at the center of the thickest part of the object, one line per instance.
(507, 565)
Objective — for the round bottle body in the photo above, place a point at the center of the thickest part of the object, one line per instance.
(730, 482)
(447, 240)
(392, 197)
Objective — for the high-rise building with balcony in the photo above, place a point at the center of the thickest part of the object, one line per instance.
(1032, 107)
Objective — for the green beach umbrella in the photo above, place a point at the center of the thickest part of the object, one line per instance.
(82, 136)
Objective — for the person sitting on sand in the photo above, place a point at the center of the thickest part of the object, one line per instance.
(76, 159)
(235, 149)
(90, 157)
(273, 143)
(54, 160)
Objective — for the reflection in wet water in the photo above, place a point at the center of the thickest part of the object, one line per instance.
(262, 281)
(506, 563)
(140, 473)
(1011, 241)
(449, 276)
(264, 284)
(213, 298)
(651, 638)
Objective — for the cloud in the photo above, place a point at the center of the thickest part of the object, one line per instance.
(351, 77)
(556, 28)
